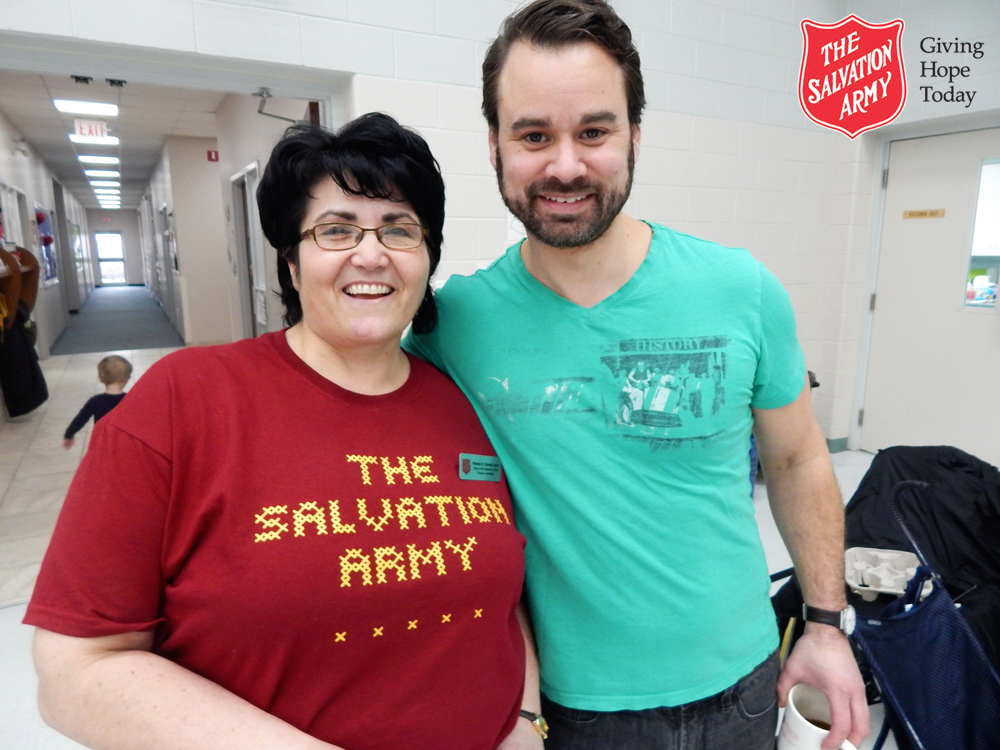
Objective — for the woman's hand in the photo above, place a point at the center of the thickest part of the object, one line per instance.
(522, 737)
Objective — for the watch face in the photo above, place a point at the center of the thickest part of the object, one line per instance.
(848, 620)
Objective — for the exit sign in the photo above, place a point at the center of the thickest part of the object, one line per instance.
(91, 128)
(213, 155)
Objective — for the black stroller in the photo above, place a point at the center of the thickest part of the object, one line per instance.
(920, 655)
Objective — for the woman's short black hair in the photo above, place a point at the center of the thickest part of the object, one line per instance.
(373, 156)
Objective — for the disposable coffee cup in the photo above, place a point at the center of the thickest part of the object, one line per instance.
(807, 720)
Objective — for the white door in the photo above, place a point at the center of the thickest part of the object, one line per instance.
(934, 363)
(250, 260)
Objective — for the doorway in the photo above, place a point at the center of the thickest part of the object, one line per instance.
(934, 357)
(250, 262)
(110, 258)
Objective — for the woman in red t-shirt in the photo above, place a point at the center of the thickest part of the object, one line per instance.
(302, 540)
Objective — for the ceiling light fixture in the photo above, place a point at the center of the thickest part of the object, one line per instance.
(99, 159)
(105, 183)
(101, 173)
(107, 191)
(111, 140)
(86, 108)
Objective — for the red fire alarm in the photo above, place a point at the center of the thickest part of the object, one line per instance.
(213, 155)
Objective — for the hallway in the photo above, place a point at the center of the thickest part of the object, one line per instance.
(117, 317)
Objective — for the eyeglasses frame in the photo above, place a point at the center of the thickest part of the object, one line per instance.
(312, 233)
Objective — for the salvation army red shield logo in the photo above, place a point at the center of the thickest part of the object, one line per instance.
(852, 77)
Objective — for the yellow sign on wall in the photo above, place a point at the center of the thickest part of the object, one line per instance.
(927, 213)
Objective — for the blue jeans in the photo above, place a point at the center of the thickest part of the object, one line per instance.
(743, 717)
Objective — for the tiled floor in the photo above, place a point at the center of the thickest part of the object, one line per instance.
(35, 472)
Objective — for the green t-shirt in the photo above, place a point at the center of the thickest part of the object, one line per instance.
(624, 432)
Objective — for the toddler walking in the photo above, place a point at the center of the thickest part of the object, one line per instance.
(114, 372)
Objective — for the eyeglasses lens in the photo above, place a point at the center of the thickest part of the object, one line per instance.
(347, 236)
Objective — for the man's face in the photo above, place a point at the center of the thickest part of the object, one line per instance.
(564, 151)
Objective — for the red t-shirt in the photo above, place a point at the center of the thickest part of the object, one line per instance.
(312, 550)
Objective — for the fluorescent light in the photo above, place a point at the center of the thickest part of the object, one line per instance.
(105, 183)
(107, 191)
(86, 108)
(101, 173)
(99, 159)
(111, 140)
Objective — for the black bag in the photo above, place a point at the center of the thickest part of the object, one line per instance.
(21, 380)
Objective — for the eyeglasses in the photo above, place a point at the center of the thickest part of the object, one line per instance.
(337, 236)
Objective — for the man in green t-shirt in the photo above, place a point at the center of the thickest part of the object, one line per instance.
(619, 367)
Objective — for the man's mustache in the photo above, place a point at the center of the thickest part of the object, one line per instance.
(553, 186)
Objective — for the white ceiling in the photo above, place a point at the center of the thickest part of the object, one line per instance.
(147, 114)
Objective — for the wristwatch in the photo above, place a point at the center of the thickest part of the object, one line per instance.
(843, 619)
(538, 722)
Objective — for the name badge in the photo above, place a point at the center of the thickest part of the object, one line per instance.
(479, 468)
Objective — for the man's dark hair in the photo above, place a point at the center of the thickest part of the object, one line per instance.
(373, 156)
(557, 23)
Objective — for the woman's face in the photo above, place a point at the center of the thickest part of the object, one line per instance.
(365, 296)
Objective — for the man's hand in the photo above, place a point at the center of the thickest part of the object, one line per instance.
(822, 658)
(522, 737)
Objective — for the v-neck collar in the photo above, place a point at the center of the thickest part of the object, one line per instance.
(614, 299)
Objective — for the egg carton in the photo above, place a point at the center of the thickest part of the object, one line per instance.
(870, 572)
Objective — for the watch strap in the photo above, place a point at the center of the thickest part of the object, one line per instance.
(823, 616)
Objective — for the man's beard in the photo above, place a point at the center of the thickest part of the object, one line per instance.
(568, 231)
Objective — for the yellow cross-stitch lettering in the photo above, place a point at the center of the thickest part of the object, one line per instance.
(422, 471)
(439, 501)
(406, 509)
(335, 523)
(412, 625)
(365, 461)
(445, 618)
(341, 637)
(463, 552)
(425, 557)
(355, 562)
(388, 558)
(478, 614)
(277, 528)
(462, 510)
(377, 524)
(478, 509)
(308, 512)
(498, 511)
(378, 632)
(400, 469)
